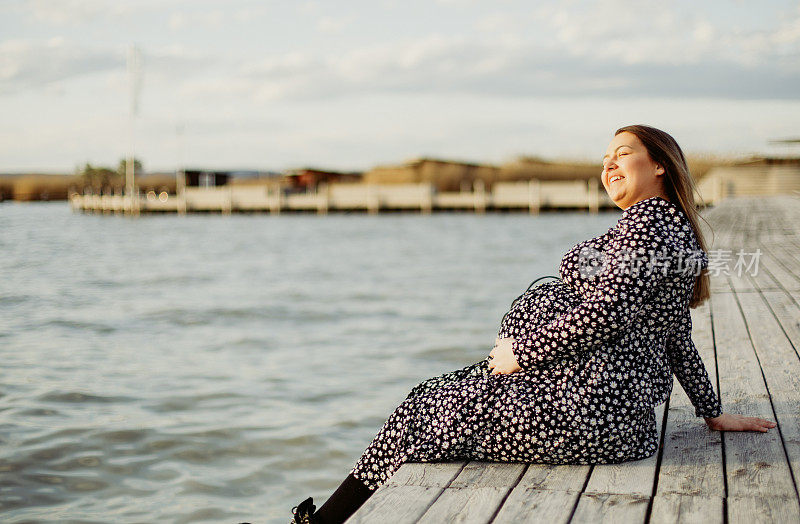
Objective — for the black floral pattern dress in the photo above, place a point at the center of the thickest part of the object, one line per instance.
(598, 348)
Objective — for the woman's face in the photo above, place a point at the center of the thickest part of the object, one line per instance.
(629, 174)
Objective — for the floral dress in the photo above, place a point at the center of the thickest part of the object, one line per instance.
(597, 347)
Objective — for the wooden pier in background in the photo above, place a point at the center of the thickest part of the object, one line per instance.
(531, 196)
(748, 334)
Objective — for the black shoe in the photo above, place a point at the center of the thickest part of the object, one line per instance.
(304, 512)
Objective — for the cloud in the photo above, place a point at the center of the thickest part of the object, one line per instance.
(657, 33)
(213, 19)
(62, 12)
(334, 24)
(73, 12)
(176, 63)
(31, 64)
(27, 63)
(601, 48)
(575, 64)
(604, 47)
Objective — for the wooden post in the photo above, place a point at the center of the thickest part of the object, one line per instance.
(323, 199)
(594, 196)
(137, 202)
(180, 191)
(426, 198)
(274, 198)
(534, 196)
(181, 203)
(373, 200)
(479, 194)
(227, 205)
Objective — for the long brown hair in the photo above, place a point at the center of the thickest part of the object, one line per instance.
(680, 188)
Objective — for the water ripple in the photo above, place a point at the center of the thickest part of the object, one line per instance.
(78, 397)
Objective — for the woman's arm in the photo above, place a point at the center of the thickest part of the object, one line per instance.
(620, 292)
(689, 369)
(692, 374)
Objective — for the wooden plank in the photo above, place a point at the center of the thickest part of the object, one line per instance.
(787, 311)
(636, 477)
(762, 509)
(476, 493)
(691, 462)
(555, 477)
(786, 252)
(739, 277)
(719, 283)
(676, 508)
(720, 239)
(408, 494)
(756, 463)
(781, 368)
(546, 492)
(490, 474)
(741, 282)
(430, 474)
(787, 258)
(763, 280)
(742, 243)
(786, 215)
(398, 504)
(619, 492)
(768, 263)
(611, 508)
(465, 504)
(767, 230)
(537, 505)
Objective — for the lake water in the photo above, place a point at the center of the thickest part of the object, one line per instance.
(210, 368)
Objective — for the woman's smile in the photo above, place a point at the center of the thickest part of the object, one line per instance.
(629, 174)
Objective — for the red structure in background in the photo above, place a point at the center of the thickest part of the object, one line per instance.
(310, 179)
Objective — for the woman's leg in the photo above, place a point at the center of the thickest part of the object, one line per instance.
(472, 371)
(345, 501)
(432, 424)
(390, 446)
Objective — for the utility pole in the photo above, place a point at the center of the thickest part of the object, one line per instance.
(180, 170)
(135, 86)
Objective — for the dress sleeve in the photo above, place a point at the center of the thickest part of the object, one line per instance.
(688, 367)
(621, 288)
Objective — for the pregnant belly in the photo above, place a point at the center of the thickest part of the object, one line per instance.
(538, 306)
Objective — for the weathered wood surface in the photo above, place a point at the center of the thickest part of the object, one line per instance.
(748, 335)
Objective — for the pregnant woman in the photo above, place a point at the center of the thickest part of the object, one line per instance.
(580, 362)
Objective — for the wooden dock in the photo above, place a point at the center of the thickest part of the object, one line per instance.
(748, 334)
(531, 196)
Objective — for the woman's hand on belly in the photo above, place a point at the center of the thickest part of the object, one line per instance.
(501, 359)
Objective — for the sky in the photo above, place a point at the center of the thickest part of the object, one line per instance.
(348, 85)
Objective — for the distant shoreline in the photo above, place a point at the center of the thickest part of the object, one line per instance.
(444, 175)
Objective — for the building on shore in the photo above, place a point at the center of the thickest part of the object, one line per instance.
(309, 179)
(530, 168)
(25, 187)
(422, 183)
(759, 176)
(205, 178)
(443, 175)
(448, 175)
